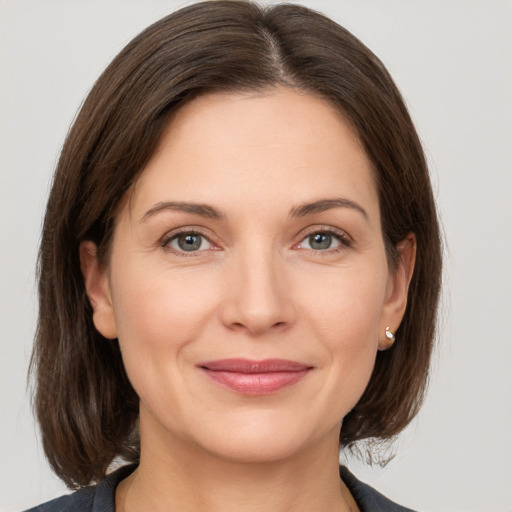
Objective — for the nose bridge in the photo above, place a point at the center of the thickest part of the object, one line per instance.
(259, 294)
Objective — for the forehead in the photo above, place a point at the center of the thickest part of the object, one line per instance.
(274, 147)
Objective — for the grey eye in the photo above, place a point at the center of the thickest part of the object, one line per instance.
(320, 241)
(188, 242)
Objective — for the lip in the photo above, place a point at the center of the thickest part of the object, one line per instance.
(250, 377)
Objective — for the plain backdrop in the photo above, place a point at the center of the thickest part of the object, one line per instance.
(453, 61)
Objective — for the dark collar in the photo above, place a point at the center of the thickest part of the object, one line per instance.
(101, 498)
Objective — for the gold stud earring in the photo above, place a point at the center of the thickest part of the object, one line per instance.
(390, 337)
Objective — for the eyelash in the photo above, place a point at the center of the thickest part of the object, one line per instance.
(170, 237)
(344, 240)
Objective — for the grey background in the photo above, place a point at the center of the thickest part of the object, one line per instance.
(453, 61)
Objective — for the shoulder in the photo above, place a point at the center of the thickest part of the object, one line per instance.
(96, 498)
(367, 498)
(79, 501)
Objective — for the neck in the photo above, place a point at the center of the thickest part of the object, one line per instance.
(180, 477)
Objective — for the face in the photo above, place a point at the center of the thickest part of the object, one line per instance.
(248, 283)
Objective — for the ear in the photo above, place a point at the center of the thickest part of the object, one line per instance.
(397, 289)
(97, 287)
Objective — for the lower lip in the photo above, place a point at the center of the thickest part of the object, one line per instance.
(256, 383)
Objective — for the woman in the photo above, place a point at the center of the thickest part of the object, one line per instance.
(239, 269)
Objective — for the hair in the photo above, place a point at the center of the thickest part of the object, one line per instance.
(84, 402)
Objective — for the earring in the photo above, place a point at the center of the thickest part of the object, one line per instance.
(390, 337)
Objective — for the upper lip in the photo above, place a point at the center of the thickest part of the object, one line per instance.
(249, 366)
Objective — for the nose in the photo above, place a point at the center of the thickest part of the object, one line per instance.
(258, 295)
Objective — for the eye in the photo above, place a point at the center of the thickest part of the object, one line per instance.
(319, 241)
(324, 241)
(188, 242)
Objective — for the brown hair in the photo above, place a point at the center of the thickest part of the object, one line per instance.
(85, 404)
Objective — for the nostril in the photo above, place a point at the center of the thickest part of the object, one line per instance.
(279, 325)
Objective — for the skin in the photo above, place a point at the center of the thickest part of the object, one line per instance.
(258, 287)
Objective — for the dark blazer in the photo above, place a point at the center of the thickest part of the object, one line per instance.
(100, 498)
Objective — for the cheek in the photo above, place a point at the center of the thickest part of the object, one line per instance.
(345, 304)
(157, 316)
(345, 316)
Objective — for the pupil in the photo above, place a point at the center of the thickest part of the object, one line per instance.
(320, 241)
(189, 242)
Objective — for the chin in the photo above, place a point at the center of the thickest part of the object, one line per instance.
(257, 450)
(266, 440)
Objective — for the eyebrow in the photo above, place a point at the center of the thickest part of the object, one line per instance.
(200, 209)
(207, 211)
(326, 204)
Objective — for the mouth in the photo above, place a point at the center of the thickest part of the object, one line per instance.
(250, 377)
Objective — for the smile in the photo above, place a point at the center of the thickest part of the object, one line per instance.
(255, 377)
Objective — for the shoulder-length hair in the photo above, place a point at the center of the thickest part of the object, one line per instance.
(85, 405)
